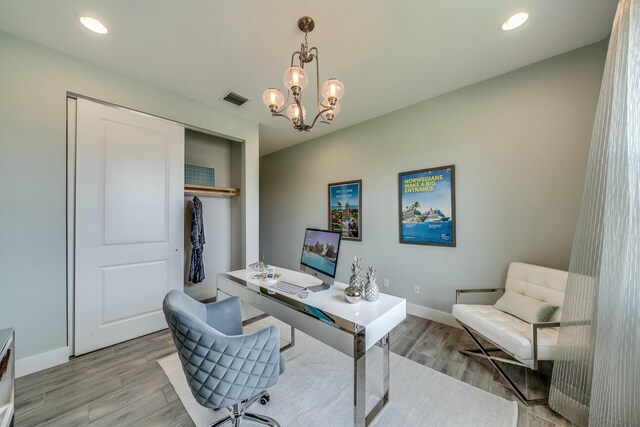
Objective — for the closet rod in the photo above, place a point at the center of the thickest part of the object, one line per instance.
(205, 190)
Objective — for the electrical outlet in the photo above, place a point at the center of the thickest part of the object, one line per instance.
(385, 283)
(416, 289)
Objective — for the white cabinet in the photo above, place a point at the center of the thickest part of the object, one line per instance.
(7, 377)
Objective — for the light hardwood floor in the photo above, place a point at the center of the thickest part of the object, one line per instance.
(123, 385)
(436, 345)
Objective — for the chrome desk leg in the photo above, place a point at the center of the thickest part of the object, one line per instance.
(360, 416)
(359, 383)
(385, 367)
(292, 342)
(254, 319)
(384, 343)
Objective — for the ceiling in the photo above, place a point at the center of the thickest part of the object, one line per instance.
(389, 54)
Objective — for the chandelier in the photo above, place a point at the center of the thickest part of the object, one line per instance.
(295, 80)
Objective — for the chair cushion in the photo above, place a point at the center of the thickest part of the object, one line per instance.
(528, 309)
(544, 284)
(506, 331)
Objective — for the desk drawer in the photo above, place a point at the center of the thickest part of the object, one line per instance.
(329, 334)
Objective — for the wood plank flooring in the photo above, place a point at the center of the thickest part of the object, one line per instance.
(116, 386)
(436, 345)
(124, 386)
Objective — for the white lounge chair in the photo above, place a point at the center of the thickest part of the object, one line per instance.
(526, 343)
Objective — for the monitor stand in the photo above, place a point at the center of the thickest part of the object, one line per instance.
(321, 287)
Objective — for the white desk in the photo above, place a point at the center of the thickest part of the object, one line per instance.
(327, 316)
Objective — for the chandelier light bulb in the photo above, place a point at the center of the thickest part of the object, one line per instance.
(332, 90)
(329, 115)
(295, 77)
(293, 112)
(273, 99)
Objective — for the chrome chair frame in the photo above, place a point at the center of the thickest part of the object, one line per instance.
(484, 353)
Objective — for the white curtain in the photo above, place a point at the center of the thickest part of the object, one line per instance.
(596, 377)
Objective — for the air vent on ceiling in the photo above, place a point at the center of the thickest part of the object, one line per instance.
(235, 98)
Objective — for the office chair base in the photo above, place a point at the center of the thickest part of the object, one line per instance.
(238, 412)
(262, 419)
(235, 422)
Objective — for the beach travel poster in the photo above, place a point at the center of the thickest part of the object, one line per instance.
(427, 206)
(345, 209)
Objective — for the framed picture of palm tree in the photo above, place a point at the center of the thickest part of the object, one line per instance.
(427, 208)
(345, 209)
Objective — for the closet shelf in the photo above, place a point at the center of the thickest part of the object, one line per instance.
(206, 190)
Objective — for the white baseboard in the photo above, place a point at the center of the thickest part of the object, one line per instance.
(38, 362)
(431, 314)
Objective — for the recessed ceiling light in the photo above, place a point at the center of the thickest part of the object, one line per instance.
(94, 25)
(515, 21)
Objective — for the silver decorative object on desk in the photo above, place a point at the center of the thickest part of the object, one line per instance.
(356, 280)
(371, 291)
(259, 266)
(352, 294)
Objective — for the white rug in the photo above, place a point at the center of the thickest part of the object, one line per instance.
(316, 390)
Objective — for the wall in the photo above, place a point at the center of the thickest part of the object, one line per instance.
(519, 142)
(34, 82)
(213, 152)
(239, 257)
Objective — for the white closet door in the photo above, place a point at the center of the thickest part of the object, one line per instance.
(129, 223)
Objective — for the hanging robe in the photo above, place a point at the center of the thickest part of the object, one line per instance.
(196, 269)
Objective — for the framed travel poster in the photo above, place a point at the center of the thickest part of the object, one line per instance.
(427, 206)
(345, 209)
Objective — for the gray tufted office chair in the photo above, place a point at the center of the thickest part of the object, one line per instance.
(224, 368)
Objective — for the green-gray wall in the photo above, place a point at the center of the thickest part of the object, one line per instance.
(519, 142)
(34, 82)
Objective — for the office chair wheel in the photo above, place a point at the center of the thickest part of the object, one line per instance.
(265, 399)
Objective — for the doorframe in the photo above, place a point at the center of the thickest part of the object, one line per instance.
(72, 108)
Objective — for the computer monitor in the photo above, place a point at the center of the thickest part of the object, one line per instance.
(320, 256)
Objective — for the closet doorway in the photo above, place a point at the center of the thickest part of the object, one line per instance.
(129, 222)
(220, 212)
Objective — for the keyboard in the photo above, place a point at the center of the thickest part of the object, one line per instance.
(289, 288)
